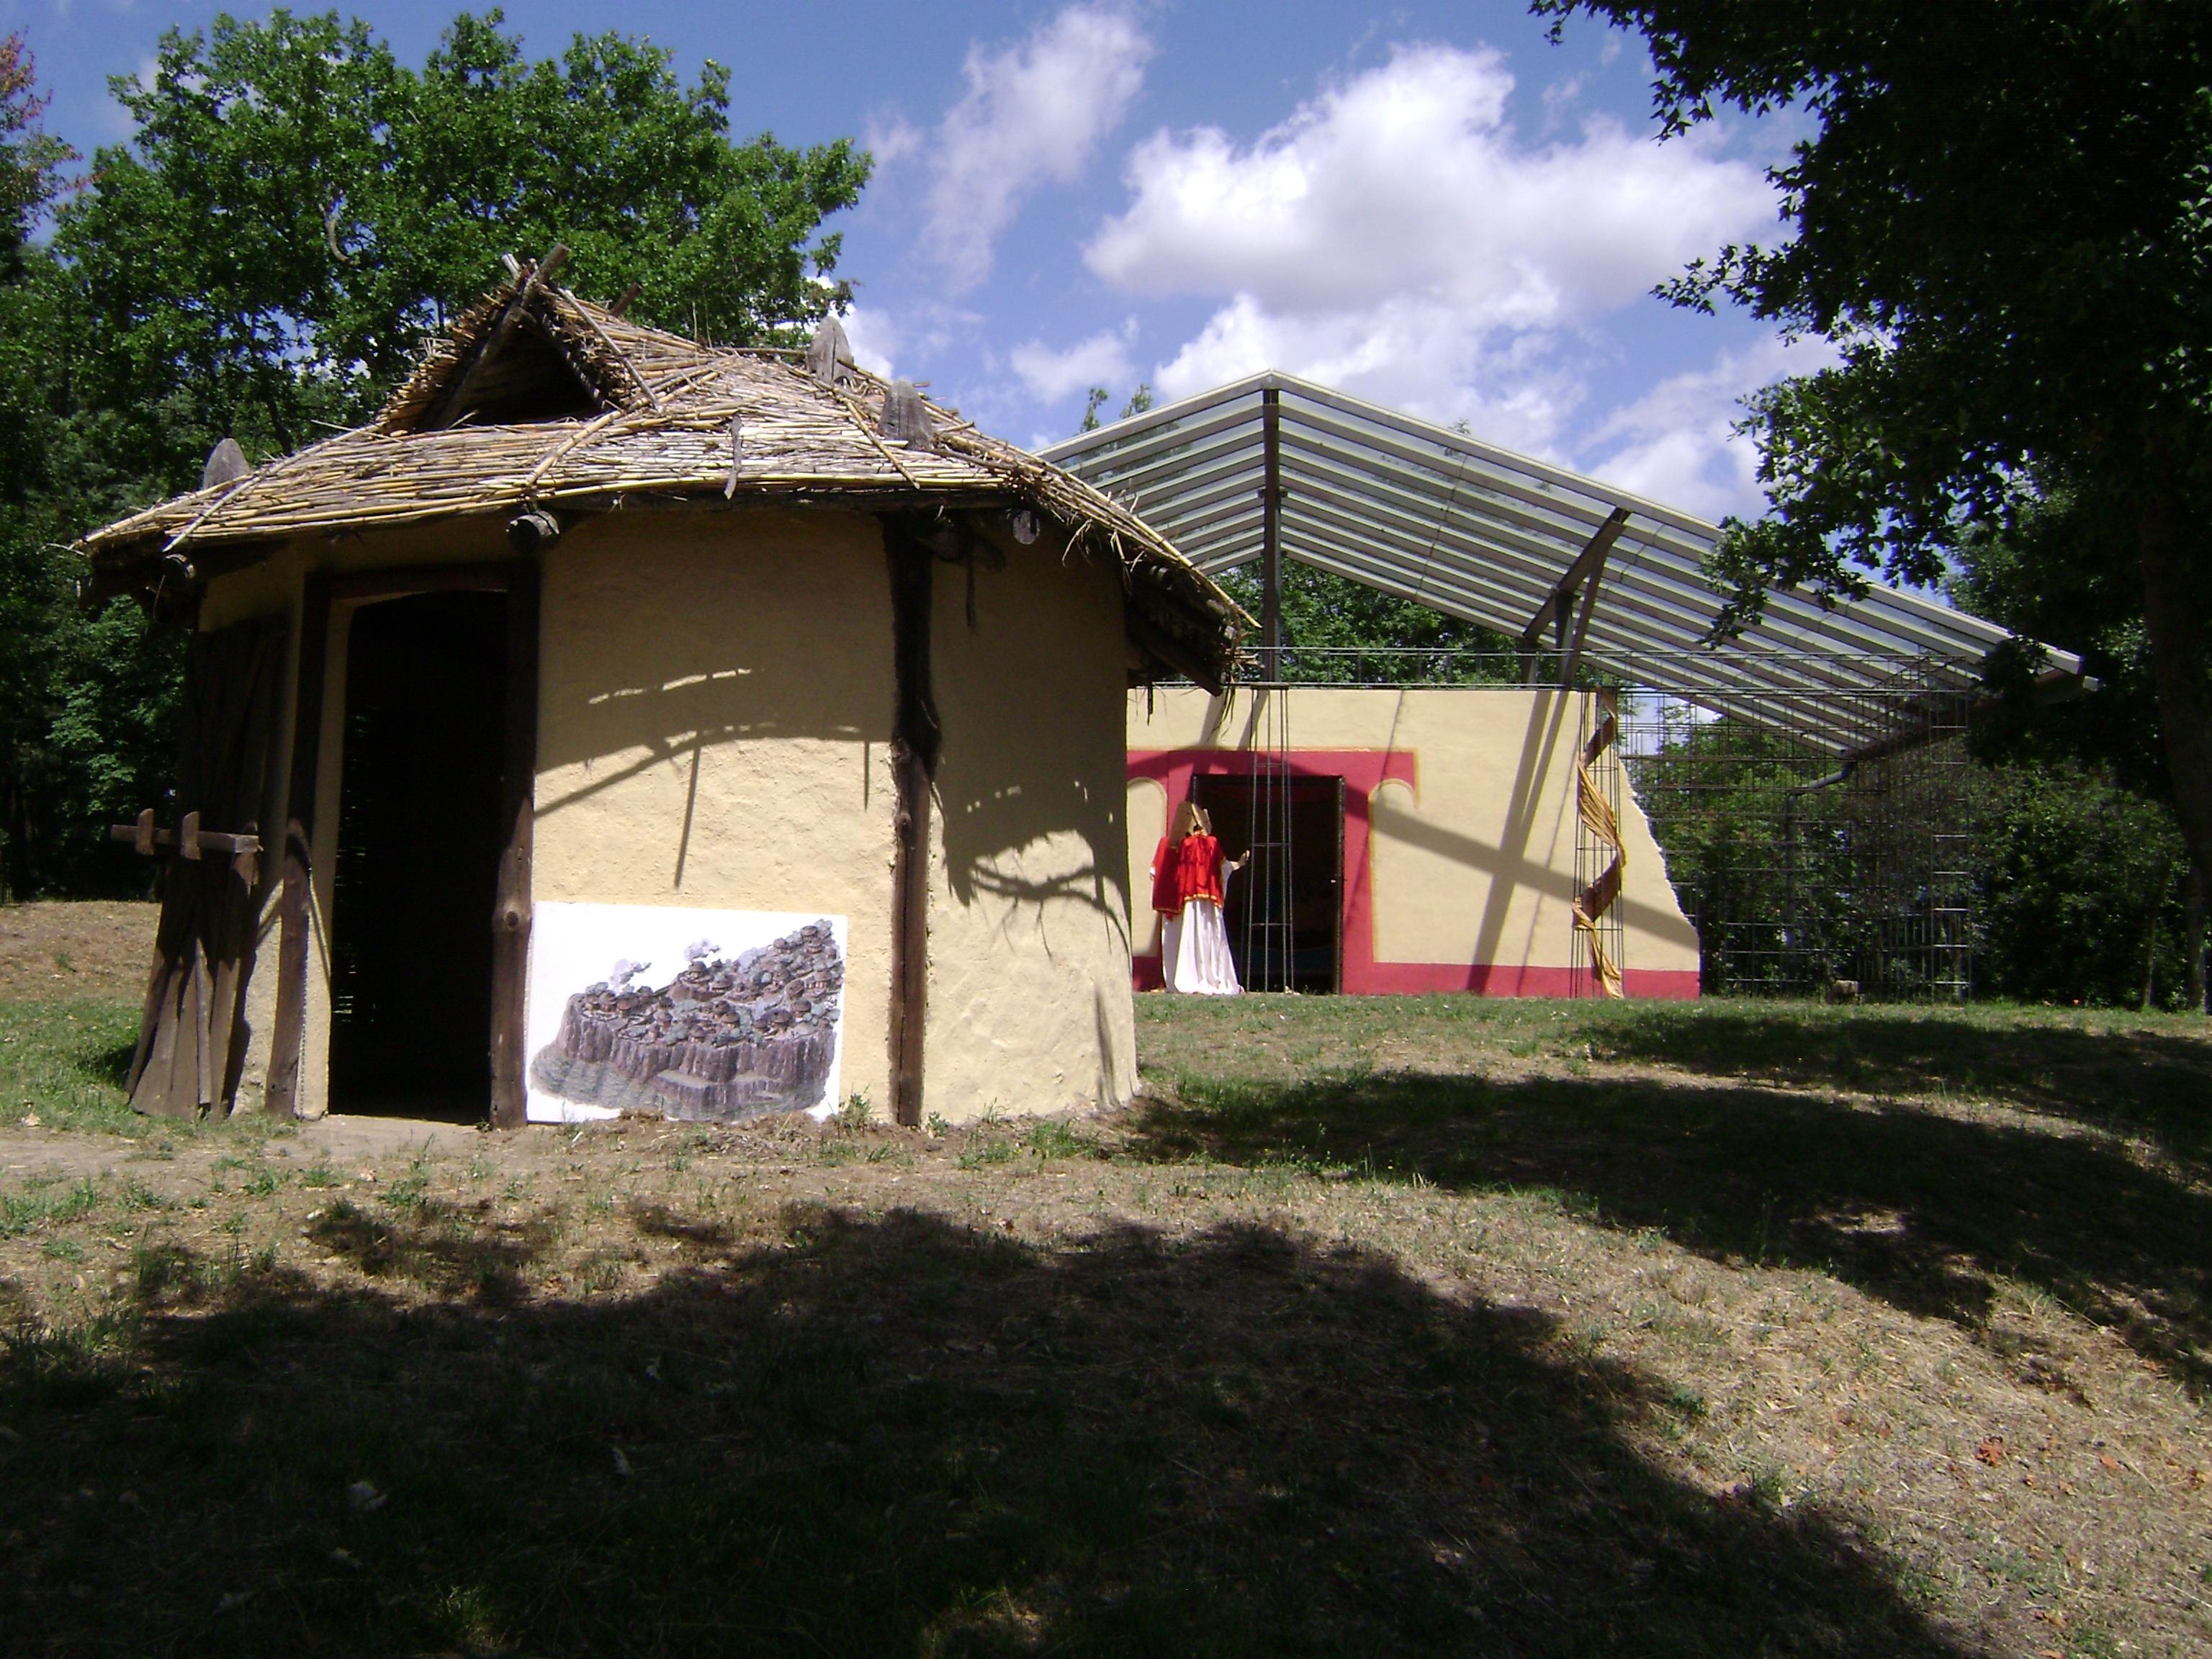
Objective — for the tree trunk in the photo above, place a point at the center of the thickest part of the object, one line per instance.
(2174, 622)
(2150, 952)
(2192, 938)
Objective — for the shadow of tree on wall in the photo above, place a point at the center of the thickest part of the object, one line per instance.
(1917, 1207)
(896, 1436)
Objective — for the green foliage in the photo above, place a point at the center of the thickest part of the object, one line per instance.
(2080, 891)
(297, 211)
(1762, 864)
(1347, 633)
(2072, 881)
(2002, 218)
(30, 160)
(1094, 400)
(294, 213)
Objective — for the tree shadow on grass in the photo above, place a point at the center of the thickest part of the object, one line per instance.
(2158, 1082)
(1917, 1207)
(891, 1435)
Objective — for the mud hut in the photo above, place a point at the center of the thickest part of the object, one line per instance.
(618, 723)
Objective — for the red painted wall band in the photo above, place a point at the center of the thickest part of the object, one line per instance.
(1364, 771)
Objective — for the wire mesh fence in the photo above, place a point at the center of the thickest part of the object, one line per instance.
(1816, 810)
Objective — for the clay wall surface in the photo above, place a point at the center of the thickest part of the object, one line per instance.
(714, 707)
(1028, 959)
(1459, 833)
(715, 699)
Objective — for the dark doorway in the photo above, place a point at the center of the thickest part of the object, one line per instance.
(1286, 909)
(419, 843)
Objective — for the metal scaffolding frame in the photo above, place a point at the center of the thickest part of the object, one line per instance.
(1273, 468)
(1806, 779)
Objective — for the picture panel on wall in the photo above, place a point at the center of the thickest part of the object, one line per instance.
(700, 1016)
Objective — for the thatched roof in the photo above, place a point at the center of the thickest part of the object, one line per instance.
(537, 399)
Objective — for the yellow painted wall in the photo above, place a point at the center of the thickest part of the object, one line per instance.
(1029, 947)
(1474, 862)
(715, 700)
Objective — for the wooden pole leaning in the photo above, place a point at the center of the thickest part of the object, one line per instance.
(916, 737)
(295, 903)
(511, 912)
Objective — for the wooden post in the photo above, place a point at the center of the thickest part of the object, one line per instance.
(916, 737)
(295, 906)
(510, 967)
(1580, 582)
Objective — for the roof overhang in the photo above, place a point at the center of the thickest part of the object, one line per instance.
(1481, 533)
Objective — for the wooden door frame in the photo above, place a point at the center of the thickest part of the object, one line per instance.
(1336, 880)
(519, 579)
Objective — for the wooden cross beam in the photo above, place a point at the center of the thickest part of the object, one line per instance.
(517, 308)
(190, 840)
(1588, 566)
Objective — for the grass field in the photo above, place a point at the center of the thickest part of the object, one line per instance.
(1379, 1326)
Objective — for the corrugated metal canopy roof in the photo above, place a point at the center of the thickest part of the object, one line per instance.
(1482, 534)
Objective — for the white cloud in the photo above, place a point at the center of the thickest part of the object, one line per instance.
(1406, 352)
(1405, 179)
(875, 339)
(1101, 359)
(1033, 113)
(114, 122)
(1673, 443)
(890, 140)
(1396, 237)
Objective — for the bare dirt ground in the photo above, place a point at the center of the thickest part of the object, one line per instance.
(1429, 1327)
(85, 949)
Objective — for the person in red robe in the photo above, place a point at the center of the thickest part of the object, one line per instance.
(1189, 885)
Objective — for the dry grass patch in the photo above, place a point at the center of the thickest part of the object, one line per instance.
(1546, 1339)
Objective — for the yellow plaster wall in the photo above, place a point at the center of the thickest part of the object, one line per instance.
(1474, 862)
(715, 699)
(1030, 1008)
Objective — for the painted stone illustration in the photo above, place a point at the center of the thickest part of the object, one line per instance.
(725, 1040)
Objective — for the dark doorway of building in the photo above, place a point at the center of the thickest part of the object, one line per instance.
(1286, 909)
(419, 842)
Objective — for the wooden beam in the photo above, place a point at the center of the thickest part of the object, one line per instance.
(1588, 566)
(511, 909)
(517, 308)
(296, 901)
(202, 840)
(1151, 638)
(1270, 535)
(916, 737)
(390, 582)
(1570, 647)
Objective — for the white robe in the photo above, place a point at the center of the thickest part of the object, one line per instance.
(1195, 956)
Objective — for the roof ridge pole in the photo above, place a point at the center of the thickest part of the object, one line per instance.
(1270, 535)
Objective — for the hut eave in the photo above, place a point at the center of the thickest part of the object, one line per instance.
(669, 422)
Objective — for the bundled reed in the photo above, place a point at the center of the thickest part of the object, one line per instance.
(653, 416)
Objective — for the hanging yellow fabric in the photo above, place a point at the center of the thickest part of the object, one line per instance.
(1603, 825)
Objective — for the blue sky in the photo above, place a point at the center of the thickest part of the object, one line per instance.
(1429, 205)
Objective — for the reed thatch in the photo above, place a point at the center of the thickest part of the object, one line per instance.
(535, 398)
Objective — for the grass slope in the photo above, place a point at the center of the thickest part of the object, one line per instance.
(1407, 1327)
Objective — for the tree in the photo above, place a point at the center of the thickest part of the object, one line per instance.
(30, 160)
(297, 211)
(293, 214)
(1340, 632)
(2075, 897)
(2003, 218)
